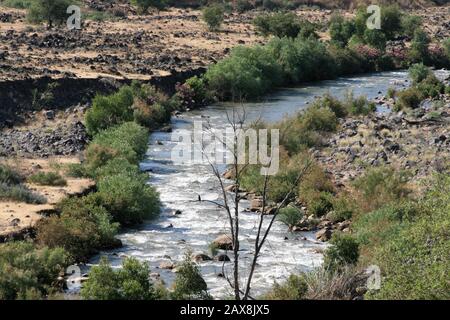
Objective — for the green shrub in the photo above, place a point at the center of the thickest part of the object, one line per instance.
(47, 179)
(419, 72)
(150, 116)
(127, 141)
(330, 102)
(409, 98)
(50, 11)
(391, 21)
(419, 47)
(380, 186)
(9, 176)
(131, 282)
(144, 5)
(410, 23)
(341, 30)
(19, 193)
(110, 110)
(213, 16)
(320, 119)
(344, 251)
(189, 283)
(243, 5)
(430, 87)
(343, 209)
(290, 216)
(76, 170)
(320, 204)
(27, 272)
(295, 288)
(279, 24)
(391, 93)
(359, 106)
(117, 166)
(248, 72)
(81, 229)
(128, 198)
(375, 38)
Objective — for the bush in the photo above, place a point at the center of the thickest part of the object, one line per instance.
(343, 209)
(131, 282)
(19, 193)
(330, 102)
(193, 93)
(47, 179)
(290, 216)
(320, 204)
(344, 251)
(278, 24)
(295, 288)
(410, 23)
(127, 141)
(110, 110)
(51, 11)
(9, 176)
(359, 106)
(375, 38)
(248, 72)
(81, 229)
(213, 16)
(380, 186)
(128, 198)
(144, 5)
(419, 47)
(152, 116)
(341, 30)
(189, 283)
(27, 272)
(243, 5)
(430, 87)
(418, 72)
(409, 98)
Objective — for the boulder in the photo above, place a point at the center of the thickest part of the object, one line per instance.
(222, 257)
(168, 265)
(256, 204)
(324, 234)
(223, 242)
(199, 256)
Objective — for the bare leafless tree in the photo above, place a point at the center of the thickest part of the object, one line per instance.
(231, 205)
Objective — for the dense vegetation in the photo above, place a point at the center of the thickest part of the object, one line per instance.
(394, 226)
(131, 282)
(27, 272)
(295, 54)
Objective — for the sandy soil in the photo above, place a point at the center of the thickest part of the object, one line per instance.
(15, 216)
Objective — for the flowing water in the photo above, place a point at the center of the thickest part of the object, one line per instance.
(169, 236)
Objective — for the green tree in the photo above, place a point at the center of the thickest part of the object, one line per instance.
(213, 16)
(131, 282)
(419, 47)
(341, 30)
(189, 283)
(51, 11)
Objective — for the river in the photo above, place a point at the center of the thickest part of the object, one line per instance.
(179, 186)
